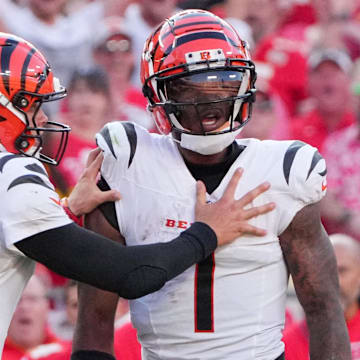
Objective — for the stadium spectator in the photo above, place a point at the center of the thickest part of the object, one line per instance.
(336, 26)
(34, 225)
(282, 46)
(63, 320)
(347, 252)
(329, 86)
(29, 335)
(269, 119)
(44, 24)
(126, 344)
(142, 17)
(341, 206)
(86, 109)
(114, 52)
(199, 80)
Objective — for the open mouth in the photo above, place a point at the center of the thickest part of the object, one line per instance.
(211, 120)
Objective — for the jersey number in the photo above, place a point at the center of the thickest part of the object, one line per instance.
(204, 295)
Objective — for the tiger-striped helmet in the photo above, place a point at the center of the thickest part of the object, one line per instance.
(197, 48)
(26, 81)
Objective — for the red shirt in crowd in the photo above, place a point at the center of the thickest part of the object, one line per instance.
(297, 343)
(311, 127)
(51, 345)
(126, 344)
(285, 51)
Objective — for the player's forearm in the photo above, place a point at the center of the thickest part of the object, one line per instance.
(328, 335)
(128, 271)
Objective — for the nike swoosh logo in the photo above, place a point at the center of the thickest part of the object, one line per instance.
(323, 187)
(56, 201)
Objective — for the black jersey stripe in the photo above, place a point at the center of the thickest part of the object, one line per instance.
(5, 159)
(108, 209)
(25, 68)
(204, 302)
(36, 168)
(290, 156)
(28, 179)
(132, 138)
(6, 52)
(315, 159)
(105, 133)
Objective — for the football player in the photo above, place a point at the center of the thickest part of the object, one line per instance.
(199, 81)
(33, 224)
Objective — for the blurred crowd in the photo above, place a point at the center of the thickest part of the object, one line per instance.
(307, 54)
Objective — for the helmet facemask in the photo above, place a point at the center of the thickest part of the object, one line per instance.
(25, 107)
(206, 109)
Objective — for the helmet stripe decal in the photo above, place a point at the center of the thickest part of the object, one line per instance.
(6, 53)
(197, 36)
(42, 79)
(28, 179)
(25, 67)
(173, 29)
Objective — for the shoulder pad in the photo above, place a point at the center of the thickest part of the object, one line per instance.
(118, 139)
(304, 170)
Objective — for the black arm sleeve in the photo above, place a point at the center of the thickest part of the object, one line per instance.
(130, 271)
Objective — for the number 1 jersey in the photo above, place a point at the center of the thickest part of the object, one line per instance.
(231, 306)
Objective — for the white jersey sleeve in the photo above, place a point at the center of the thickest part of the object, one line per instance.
(118, 141)
(30, 204)
(304, 171)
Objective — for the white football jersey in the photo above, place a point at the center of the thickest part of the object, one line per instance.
(29, 205)
(230, 306)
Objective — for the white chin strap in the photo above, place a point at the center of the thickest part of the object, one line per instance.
(208, 144)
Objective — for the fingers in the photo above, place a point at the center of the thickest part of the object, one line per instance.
(94, 167)
(258, 210)
(200, 192)
(231, 188)
(92, 156)
(252, 230)
(110, 196)
(251, 195)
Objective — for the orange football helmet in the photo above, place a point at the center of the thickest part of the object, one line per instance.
(198, 48)
(26, 81)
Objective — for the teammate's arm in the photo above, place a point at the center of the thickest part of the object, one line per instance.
(312, 265)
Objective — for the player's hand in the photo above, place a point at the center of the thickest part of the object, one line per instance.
(86, 195)
(227, 217)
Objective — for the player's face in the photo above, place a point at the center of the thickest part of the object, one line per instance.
(41, 119)
(203, 89)
(28, 325)
(349, 275)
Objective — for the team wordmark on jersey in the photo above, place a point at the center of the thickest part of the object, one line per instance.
(180, 224)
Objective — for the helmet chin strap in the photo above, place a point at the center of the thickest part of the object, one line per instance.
(207, 144)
